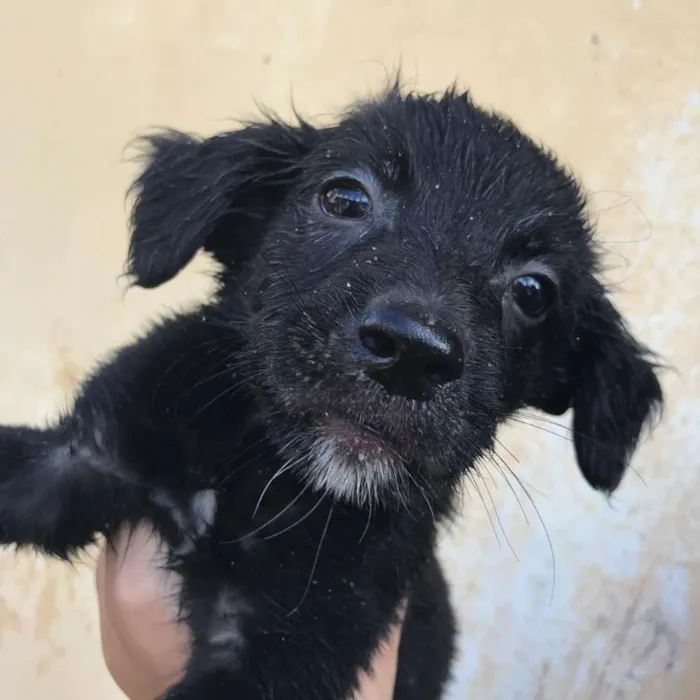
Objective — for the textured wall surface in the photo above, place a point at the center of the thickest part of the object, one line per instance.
(587, 600)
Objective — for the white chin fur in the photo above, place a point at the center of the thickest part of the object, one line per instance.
(358, 480)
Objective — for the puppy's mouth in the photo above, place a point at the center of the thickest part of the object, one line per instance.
(358, 442)
(353, 462)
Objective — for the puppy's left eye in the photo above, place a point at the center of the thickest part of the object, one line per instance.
(534, 295)
(345, 199)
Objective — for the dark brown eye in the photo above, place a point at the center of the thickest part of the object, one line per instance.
(534, 295)
(345, 200)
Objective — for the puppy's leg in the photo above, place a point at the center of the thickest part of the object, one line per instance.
(136, 427)
(59, 487)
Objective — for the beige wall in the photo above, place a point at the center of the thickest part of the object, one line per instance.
(614, 85)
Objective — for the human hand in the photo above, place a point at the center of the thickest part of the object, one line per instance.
(145, 649)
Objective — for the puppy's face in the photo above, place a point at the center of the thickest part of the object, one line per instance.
(415, 274)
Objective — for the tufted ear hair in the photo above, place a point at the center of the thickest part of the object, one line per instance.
(215, 194)
(610, 381)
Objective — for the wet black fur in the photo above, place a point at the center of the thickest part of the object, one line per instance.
(289, 595)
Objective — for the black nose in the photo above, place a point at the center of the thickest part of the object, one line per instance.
(409, 356)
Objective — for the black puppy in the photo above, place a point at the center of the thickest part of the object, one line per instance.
(392, 288)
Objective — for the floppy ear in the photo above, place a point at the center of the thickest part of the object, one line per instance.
(610, 382)
(213, 194)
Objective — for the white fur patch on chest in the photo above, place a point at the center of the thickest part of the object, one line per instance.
(203, 511)
(194, 521)
(225, 634)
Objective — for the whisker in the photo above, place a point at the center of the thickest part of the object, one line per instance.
(517, 461)
(498, 517)
(369, 520)
(550, 545)
(576, 433)
(544, 430)
(286, 467)
(315, 563)
(236, 457)
(470, 476)
(422, 493)
(186, 354)
(233, 366)
(298, 522)
(271, 520)
(505, 478)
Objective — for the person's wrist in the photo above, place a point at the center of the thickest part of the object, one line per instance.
(144, 648)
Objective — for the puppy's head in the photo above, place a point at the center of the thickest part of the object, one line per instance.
(416, 274)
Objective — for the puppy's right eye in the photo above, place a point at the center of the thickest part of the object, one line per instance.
(345, 199)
